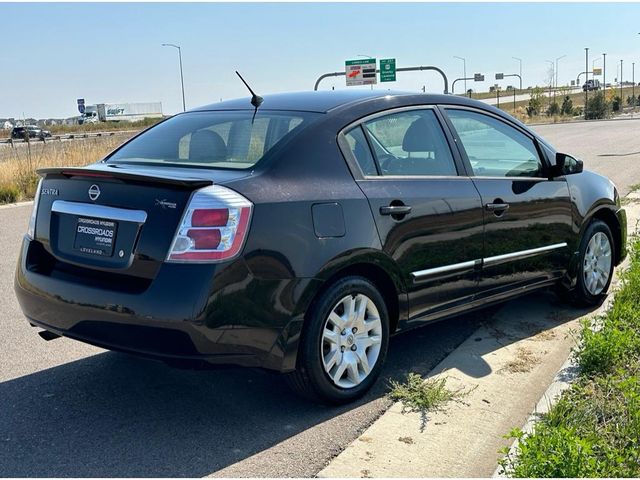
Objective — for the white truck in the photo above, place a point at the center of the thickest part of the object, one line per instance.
(119, 112)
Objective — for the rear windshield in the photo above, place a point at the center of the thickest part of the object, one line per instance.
(221, 139)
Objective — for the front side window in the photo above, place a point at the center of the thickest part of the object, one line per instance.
(216, 139)
(410, 143)
(494, 148)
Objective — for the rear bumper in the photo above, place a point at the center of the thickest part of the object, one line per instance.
(219, 314)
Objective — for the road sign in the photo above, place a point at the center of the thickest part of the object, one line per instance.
(360, 72)
(499, 76)
(81, 105)
(478, 77)
(597, 71)
(387, 70)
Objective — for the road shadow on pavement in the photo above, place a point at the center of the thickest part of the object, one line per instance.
(120, 416)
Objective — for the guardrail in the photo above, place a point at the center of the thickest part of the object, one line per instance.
(67, 136)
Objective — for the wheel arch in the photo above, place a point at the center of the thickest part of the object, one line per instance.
(607, 214)
(373, 265)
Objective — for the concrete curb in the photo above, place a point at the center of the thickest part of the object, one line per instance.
(18, 204)
(567, 375)
(535, 331)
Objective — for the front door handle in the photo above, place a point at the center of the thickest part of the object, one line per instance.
(395, 210)
(497, 207)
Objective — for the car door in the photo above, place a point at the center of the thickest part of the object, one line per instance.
(427, 212)
(528, 224)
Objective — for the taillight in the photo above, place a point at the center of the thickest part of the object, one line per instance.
(31, 229)
(213, 228)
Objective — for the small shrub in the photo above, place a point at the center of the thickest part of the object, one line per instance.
(553, 109)
(597, 107)
(9, 193)
(567, 106)
(420, 395)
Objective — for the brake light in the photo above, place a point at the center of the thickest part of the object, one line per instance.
(31, 230)
(213, 228)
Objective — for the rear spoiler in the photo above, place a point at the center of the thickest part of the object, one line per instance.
(104, 172)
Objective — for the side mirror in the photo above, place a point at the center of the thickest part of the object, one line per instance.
(566, 165)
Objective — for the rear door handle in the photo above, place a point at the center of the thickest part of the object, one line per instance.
(395, 210)
(497, 207)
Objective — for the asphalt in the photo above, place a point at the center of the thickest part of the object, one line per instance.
(69, 409)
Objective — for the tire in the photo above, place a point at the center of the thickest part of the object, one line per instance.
(595, 265)
(332, 364)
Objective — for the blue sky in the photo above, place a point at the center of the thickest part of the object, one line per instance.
(54, 53)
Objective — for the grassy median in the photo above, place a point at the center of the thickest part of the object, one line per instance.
(594, 429)
(18, 165)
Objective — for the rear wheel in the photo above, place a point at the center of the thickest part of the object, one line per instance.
(344, 344)
(595, 269)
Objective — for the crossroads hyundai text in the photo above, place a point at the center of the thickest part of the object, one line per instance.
(298, 233)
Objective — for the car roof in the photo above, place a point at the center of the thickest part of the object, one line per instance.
(327, 100)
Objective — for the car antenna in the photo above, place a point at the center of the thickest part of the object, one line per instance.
(256, 100)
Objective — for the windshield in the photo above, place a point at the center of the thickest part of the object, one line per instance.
(218, 139)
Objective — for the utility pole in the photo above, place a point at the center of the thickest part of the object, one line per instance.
(586, 76)
(464, 71)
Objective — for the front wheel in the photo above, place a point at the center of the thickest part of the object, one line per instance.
(595, 269)
(344, 343)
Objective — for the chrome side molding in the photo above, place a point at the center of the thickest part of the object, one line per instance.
(455, 268)
(509, 257)
(464, 267)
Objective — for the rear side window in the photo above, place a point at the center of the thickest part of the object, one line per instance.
(360, 150)
(221, 139)
(494, 148)
(410, 143)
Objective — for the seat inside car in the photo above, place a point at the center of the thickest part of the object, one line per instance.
(427, 153)
(207, 146)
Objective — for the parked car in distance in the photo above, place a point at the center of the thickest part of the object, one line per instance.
(32, 131)
(591, 85)
(297, 236)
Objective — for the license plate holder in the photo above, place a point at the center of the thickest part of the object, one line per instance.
(95, 236)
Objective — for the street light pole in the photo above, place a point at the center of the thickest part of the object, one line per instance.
(586, 77)
(621, 103)
(184, 105)
(519, 61)
(559, 58)
(604, 72)
(365, 56)
(553, 75)
(464, 71)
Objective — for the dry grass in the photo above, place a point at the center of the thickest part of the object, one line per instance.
(18, 178)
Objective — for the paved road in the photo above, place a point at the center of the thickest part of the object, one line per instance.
(608, 147)
(69, 409)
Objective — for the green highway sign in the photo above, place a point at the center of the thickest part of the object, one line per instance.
(360, 72)
(388, 70)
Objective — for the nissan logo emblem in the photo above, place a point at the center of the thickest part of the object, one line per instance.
(94, 192)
